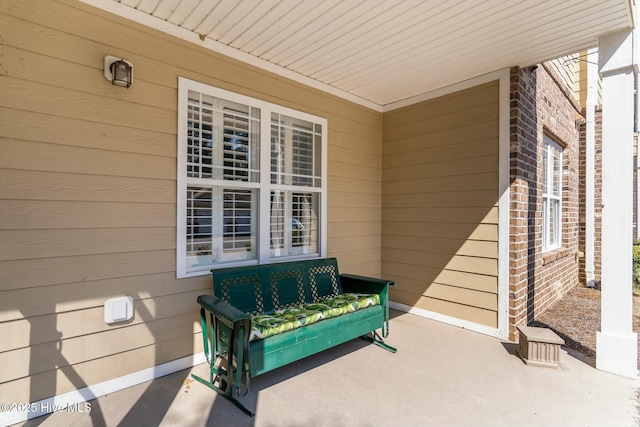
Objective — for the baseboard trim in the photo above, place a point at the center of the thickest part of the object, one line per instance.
(454, 321)
(73, 399)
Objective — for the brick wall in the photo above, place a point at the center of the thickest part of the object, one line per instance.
(540, 105)
(597, 196)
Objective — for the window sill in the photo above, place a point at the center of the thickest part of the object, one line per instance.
(555, 255)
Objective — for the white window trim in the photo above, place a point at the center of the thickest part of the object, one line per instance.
(546, 247)
(264, 206)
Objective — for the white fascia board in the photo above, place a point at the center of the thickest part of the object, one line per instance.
(174, 30)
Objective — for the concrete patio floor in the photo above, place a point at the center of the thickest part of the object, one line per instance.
(440, 376)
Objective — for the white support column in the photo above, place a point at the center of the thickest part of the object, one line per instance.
(616, 343)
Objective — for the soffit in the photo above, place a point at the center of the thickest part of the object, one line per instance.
(385, 51)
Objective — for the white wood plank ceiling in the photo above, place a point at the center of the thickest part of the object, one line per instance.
(384, 51)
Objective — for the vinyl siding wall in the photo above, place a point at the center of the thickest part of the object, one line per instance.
(88, 193)
(440, 196)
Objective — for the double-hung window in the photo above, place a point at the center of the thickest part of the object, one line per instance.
(251, 181)
(551, 195)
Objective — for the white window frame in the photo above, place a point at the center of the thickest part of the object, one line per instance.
(263, 187)
(550, 200)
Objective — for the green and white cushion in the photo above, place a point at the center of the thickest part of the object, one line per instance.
(288, 319)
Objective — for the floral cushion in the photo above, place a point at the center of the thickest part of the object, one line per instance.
(290, 318)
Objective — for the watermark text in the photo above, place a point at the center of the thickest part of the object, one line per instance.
(45, 407)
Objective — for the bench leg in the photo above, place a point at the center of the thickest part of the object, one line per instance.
(225, 395)
(377, 340)
(220, 370)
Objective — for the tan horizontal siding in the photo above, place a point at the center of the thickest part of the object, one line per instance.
(23, 333)
(441, 245)
(453, 231)
(43, 98)
(37, 156)
(463, 198)
(440, 122)
(439, 208)
(448, 105)
(413, 275)
(468, 215)
(53, 129)
(34, 244)
(435, 167)
(27, 273)
(470, 297)
(27, 303)
(38, 358)
(465, 182)
(49, 186)
(38, 214)
(448, 308)
(439, 153)
(446, 139)
(360, 172)
(470, 264)
(365, 242)
(61, 380)
(88, 192)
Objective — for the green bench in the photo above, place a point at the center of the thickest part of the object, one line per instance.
(263, 317)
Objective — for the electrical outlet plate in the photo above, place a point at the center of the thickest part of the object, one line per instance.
(118, 309)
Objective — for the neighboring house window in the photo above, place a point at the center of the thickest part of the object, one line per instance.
(251, 181)
(551, 195)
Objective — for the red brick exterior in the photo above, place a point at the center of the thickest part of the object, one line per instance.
(540, 105)
(597, 197)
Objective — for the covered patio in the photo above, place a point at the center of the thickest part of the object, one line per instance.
(91, 201)
(450, 377)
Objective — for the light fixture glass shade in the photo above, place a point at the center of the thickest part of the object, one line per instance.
(121, 73)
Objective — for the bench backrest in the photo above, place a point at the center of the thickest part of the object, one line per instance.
(265, 288)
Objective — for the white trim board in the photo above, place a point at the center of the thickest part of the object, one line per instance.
(504, 198)
(101, 389)
(449, 320)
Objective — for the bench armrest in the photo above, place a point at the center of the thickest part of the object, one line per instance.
(224, 311)
(234, 338)
(370, 285)
(361, 284)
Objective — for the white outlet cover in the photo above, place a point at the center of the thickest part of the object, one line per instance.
(118, 309)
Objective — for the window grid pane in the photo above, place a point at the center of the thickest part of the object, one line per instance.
(238, 221)
(304, 226)
(237, 148)
(222, 139)
(557, 171)
(277, 231)
(302, 157)
(551, 197)
(199, 221)
(277, 156)
(294, 152)
(199, 139)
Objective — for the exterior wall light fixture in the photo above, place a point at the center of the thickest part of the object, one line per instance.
(118, 71)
